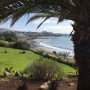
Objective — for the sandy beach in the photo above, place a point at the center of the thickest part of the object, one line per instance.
(57, 44)
(50, 48)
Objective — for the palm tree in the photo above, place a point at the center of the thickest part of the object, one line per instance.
(76, 10)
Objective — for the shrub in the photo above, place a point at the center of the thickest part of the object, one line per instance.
(5, 51)
(65, 54)
(21, 45)
(46, 55)
(43, 70)
(40, 52)
(3, 44)
(9, 36)
(54, 52)
(24, 52)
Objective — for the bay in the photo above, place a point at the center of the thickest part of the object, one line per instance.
(61, 43)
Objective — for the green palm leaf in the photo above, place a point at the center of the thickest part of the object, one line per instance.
(17, 8)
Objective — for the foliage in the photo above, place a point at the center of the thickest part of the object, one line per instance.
(55, 52)
(62, 9)
(43, 70)
(1, 36)
(3, 44)
(9, 36)
(41, 52)
(5, 51)
(46, 55)
(23, 52)
(21, 45)
(65, 54)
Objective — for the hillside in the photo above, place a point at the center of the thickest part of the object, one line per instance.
(13, 58)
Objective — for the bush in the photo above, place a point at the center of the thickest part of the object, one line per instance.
(21, 45)
(22, 52)
(5, 51)
(3, 44)
(43, 70)
(65, 54)
(9, 36)
(46, 55)
(54, 52)
(40, 52)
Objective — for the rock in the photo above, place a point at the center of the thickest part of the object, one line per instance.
(71, 84)
(45, 86)
(7, 74)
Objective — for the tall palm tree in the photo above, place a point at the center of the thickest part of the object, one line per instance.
(76, 10)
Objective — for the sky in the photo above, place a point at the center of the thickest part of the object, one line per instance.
(50, 25)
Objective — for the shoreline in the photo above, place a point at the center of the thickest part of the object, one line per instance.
(46, 48)
(49, 48)
(69, 60)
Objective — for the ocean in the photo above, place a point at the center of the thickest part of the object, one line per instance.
(52, 43)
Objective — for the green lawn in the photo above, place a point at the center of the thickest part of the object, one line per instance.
(18, 61)
(68, 69)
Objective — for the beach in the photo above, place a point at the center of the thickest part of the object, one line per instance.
(47, 45)
(42, 45)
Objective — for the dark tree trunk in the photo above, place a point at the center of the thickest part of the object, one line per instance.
(81, 40)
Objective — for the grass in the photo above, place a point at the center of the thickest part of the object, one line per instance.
(68, 69)
(18, 61)
(6, 42)
(14, 59)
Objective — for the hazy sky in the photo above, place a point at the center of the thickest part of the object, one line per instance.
(50, 25)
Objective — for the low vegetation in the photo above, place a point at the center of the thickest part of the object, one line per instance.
(40, 52)
(13, 58)
(4, 43)
(54, 52)
(8, 36)
(21, 45)
(11, 40)
(19, 62)
(44, 70)
(65, 54)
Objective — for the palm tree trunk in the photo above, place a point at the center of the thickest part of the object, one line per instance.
(82, 56)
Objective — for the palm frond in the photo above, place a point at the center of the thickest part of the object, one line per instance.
(20, 12)
(63, 9)
(60, 20)
(38, 16)
(43, 21)
(34, 18)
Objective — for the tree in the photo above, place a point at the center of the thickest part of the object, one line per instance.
(76, 10)
(21, 45)
(9, 36)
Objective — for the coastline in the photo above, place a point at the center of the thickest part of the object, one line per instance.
(49, 48)
(69, 60)
(57, 44)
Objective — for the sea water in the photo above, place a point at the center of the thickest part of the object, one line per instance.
(53, 43)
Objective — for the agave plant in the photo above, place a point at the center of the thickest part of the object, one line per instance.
(76, 10)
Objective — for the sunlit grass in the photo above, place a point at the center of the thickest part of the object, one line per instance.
(18, 61)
